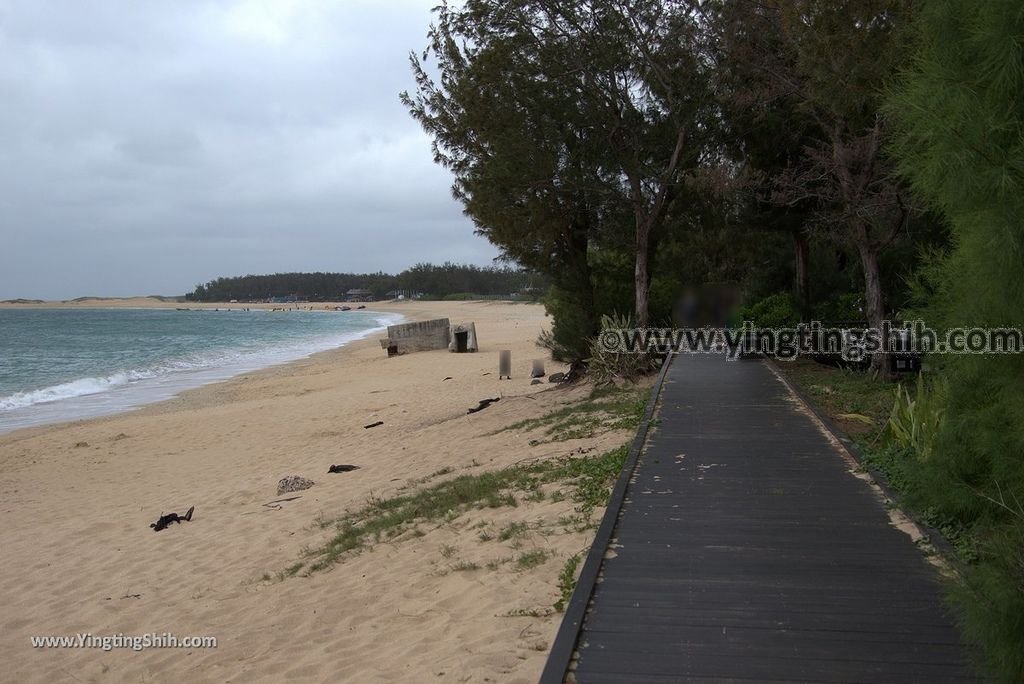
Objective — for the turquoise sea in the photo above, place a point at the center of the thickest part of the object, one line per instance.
(67, 364)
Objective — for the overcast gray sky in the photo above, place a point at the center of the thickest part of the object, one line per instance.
(147, 146)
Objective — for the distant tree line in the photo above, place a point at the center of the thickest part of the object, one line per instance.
(428, 280)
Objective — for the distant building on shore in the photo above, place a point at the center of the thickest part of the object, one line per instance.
(403, 294)
(359, 295)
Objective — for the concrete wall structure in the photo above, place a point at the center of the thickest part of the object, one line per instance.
(418, 336)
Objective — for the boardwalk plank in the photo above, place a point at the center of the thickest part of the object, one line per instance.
(746, 550)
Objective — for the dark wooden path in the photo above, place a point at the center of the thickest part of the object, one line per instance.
(745, 550)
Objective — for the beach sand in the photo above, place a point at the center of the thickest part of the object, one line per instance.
(79, 556)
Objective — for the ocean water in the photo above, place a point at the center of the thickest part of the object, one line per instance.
(67, 364)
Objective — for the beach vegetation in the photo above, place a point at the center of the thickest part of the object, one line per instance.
(513, 530)
(607, 408)
(605, 366)
(587, 478)
(465, 566)
(528, 612)
(567, 581)
(531, 559)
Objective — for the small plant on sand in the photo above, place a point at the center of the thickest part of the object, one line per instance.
(535, 495)
(513, 531)
(567, 582)
(497, 563)
(528, 612)
(531, 559)
(576, 523)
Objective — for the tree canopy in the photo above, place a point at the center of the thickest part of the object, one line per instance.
(852, 160)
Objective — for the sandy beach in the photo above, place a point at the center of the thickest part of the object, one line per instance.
(447, 603)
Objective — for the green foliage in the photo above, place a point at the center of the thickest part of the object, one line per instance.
(959, 117)
(990, 600)
(567, 581)
(606, 366)
(776, 311)
(532, 559)
(612, 275)
(569, 129)
(594, 477)
(513, 531)
(915, 421)
(574, 324)
(842, 308)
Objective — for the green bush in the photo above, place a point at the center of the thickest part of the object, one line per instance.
(990, 599)
(844, 307)
(605, 366)
(776, 311)
(915, 421)
(573, 327)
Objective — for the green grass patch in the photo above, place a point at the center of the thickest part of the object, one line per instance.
(587, 480)
(532, 559)
(606, 409)
(513, 531)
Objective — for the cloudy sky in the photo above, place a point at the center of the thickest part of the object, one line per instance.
(149, 145)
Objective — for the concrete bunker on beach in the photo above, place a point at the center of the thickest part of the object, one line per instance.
(463, 338)
(438, 333)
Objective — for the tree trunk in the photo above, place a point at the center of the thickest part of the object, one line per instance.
(874, 305)
(641, 279)
(802, 283)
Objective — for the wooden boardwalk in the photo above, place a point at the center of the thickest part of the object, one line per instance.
(745, 550)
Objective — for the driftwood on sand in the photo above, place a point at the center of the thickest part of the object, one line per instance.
(484, 403)
(164, 520)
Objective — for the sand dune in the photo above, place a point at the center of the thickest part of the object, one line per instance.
(79, 556)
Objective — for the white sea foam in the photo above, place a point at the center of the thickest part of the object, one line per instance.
(121, 391)
(68, 390)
